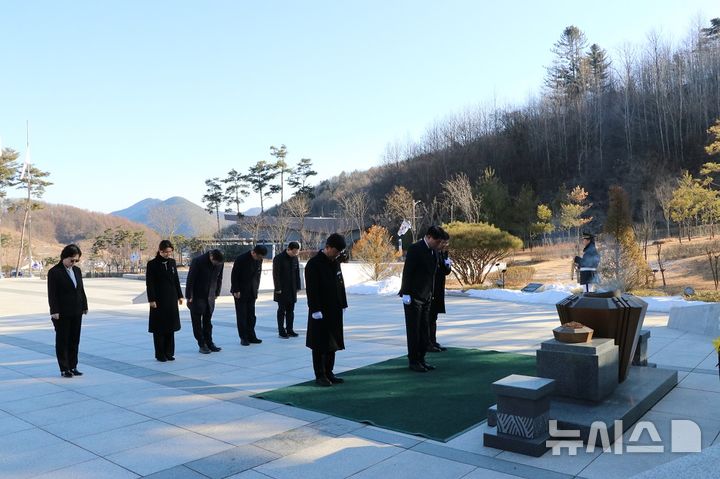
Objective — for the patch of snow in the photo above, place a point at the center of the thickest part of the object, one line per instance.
(551, 294)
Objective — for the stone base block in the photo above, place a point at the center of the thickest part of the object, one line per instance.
(587, 371)
(530, 447)
(635, 396)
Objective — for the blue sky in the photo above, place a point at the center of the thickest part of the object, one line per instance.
(135, 99)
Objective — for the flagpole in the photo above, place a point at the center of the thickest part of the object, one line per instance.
(27, 149)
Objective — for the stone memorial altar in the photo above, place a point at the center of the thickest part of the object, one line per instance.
(610, 315)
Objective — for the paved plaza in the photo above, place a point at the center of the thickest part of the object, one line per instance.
(132, 416)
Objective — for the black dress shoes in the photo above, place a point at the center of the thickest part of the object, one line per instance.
(293, 334)
(323, 382)
(171, 358)
(75, 372)
(336, 380)
(244, 342)
(283, 335)
(433, 349)
(204, 349)
(256, 341)
(418, 368)
(427, 366)
(161, 359)
(212, 347)
(66, 374)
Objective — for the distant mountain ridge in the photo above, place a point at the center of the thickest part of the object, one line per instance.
(175, 215)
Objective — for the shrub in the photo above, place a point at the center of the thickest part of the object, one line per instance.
(475, 247)
(377, 252)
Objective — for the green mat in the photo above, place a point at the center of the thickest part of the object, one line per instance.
(438, 404)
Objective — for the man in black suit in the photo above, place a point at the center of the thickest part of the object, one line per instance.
(202, 287)
(286, 281)
(244, 285)
(437, 305)
(326, 302)
(68, 304)
(416, 291)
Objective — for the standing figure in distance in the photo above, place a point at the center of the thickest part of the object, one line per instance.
(68, 304)
(588, 263)
(203, 285)
(437, 305)
(416, 290)
(286, 280)
(244, 285)
(326, 300)
(164, 295)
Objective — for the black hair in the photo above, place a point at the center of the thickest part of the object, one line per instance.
(435, 232)
(293, 245)
(217, 255)
(336, 241)
(165, 244)
(69, 251)
(260, 249)
(445, 234)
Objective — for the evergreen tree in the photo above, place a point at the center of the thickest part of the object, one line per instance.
(213, 198)
(280, 167)
(300, 176)
(568, 76)
(624, 264)
(260, 178)
(236, 189)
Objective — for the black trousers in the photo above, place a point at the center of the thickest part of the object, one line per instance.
(202, 325)
(164, 345)
(285, 317)
(416, 329)
(323, 363)
(432, 327)
(67, 340)
(245, 317)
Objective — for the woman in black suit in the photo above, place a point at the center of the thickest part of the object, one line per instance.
(68, 303)
(164, 295)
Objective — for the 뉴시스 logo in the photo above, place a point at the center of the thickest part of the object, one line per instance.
(685, 436)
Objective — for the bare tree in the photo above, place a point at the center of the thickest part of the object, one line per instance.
(298, 207)
(664, 193)
(355, 209)
(459, 193)
(400, 205)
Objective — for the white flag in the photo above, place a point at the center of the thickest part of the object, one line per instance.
(404, 227)
(26, 163)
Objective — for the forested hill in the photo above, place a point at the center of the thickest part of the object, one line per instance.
(54, 226)
(635, 118)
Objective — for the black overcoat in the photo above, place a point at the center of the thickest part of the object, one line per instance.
(245, 277)
(418, 274)
(203, 284)
(64, 298)
(286, 278)
(163, 287)
(325, 291)
(438, 300)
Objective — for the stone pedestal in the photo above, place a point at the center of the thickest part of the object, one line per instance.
(523, 403)
(641, 350)
(587, 371)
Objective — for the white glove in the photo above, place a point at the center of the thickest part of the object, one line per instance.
(448, 262)
(406, 299)
(317, 315)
